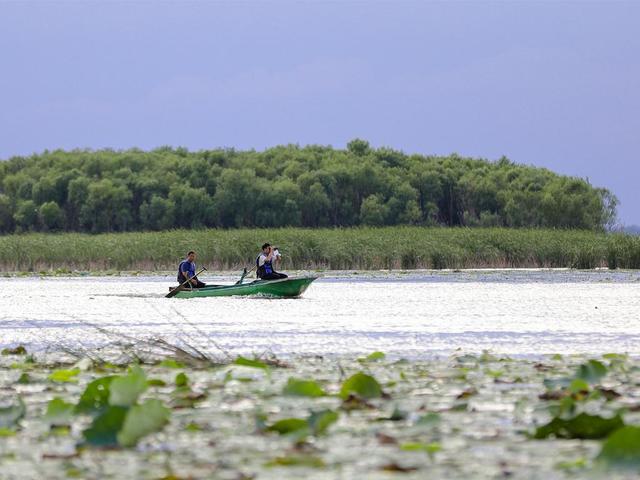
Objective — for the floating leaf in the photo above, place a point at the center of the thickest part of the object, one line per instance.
(182, 380)
(171, 363)
(289, 425)
(59, 412)
(362, 385)
(95, 397)
(64, 376)
(156, 382)
(622, 448)
(591, 371)
(11, 415)
(104, 429)
(583, 426)
(579, 386)
(24, 378)
(142, 420)
(429, 448)
(309, 461)
(374, 357)
(429, 419)
(321, 421)
(124, 391)
(303, 388)
(19, 350)
(245, 362)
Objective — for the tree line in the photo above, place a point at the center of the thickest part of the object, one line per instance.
(312, 186)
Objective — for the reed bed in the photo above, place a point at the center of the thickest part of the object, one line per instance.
(336, 249)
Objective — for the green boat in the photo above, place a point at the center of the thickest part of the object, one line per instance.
(284, 288)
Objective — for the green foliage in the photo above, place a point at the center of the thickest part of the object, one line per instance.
(59, 412)
(591, 371)
(585, 426)
(303, 388)
(107, 190)
(19, 350)
(95, 397)
(65, 376)
(12, 414)
(346, 248)
(362, 385)
(373, 357)
(124, 391)
(288, 425)
(316, 424)
(118, 418)
(142, 420)
(182, 380)
(103, 431)
(428, 448)
(622, 448)
(51, 217)
(245, 362)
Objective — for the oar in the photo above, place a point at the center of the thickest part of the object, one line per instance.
(244, 274)
(173, 292)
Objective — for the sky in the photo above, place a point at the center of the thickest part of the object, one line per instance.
(554, 84)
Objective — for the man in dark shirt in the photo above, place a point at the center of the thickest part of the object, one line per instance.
(187, 271)
(265, 263)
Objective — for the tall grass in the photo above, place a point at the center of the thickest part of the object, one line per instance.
(352, 248)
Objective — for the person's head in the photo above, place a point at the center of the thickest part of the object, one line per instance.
(266, 247)
(191, 256)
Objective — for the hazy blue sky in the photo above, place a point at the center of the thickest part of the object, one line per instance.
(549, 83)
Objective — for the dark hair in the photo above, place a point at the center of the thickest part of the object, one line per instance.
(265, 246)
(190, 252)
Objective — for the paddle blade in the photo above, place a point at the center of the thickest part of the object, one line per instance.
(174, 292)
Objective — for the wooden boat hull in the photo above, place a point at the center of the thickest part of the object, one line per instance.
(284, 288)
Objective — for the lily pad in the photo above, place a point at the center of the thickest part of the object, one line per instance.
(303, 388)
(19, 350)
(591, 371)
(182, 380)
(95, 397)
(288, 425)
(64, 376)
(142, 420)
(362, 385)
(321, 421)
(59, 412)
(245, 362)
(374, 357)
(11, 415)
(124, 391)
(585, 426)
(103, 432)
(622, 448)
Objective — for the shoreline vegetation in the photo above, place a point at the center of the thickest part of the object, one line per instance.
(360, 248)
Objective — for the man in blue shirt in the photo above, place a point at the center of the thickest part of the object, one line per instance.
(187, 271)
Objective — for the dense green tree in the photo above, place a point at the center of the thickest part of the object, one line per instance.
(51, 216)
(107, 207)
(7, 222)
(313, 186)
(157, 214)
(26, 216)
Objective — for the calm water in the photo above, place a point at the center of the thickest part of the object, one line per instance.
(413, 315)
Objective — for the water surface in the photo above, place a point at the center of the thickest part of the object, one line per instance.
(414, 314)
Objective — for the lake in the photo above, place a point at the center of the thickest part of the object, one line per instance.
(409, 314)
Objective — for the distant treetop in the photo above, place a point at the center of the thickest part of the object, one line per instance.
(312, 186)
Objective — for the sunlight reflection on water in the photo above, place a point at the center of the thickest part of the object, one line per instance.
(412, 315)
